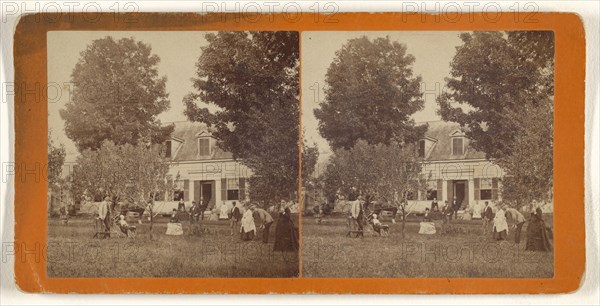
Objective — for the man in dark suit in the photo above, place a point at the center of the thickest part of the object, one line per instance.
(488, 216)
(434, 205)
(455, 207)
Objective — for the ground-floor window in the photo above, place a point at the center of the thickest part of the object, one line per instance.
(233, 189)
(485, 189)
(431, 190)
(179, 191)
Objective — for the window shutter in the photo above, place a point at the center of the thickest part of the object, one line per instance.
(168, 149)
(421, 148)
(223, 189)
(494, 189)
(465, 201)
(186, 190)
(242, 188)
(170, 192)
(477, 187)
(440, 187)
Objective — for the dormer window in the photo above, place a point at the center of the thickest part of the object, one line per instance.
(204, 146)
(458, 147)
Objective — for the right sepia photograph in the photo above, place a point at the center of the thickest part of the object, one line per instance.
(427, 154)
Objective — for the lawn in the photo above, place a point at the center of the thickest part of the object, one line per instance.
(72, 252)
(326, 252)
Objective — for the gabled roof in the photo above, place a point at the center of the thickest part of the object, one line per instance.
(189, 132)
(443, 132)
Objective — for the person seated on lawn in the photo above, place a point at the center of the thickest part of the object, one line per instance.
(427, 216)
(375, 221)
(127, 229)
(174, 227)
(427, 228)
(174, 218)
(381, 229)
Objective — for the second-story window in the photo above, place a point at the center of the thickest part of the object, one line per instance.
(204, 146)
(458, 146)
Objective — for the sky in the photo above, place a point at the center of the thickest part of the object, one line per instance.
(179, 52)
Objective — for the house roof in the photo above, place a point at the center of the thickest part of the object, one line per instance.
(441, 132)
(187, 134)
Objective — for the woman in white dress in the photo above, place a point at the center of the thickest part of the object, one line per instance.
(248, 228)
(500, 225)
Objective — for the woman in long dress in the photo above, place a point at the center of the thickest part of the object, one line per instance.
(248, 228)
(500, 225)
(537, 234)
(286, 238)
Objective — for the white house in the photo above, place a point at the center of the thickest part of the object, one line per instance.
(454, 169)
(201, 171)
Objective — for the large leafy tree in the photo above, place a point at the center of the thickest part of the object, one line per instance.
(494, 74)
(117, 97)
(371, 94)
(529, 167)
(501, 90)
(252, 80)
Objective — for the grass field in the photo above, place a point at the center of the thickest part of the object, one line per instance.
(326, 252)
(73, 253)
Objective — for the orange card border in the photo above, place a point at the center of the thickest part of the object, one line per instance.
(31, 125)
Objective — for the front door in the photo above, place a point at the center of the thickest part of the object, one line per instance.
(203, 193)
(207, 196)
(460, 191)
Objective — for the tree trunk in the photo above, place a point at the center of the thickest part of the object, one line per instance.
(151, 216)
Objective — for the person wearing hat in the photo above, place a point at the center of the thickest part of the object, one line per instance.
(194, 213)
(104, 213)
(234, 217)
(266, 220)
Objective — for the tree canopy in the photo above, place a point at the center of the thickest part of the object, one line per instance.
(133, 173)
(251, 80)
(118, 95)
(384, 172)
(371, 94)
(501, 90)
(492, 75)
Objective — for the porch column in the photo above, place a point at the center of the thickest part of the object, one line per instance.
(218, 201)
(471, 193)
(444, 196)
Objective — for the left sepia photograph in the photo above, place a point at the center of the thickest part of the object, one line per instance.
(173, 154)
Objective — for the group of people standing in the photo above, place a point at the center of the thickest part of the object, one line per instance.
(286, 237)
(538, 234)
